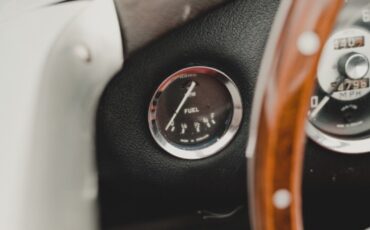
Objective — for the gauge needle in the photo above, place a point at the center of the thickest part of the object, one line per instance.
(319, 107)
(326, 99)
(184, 99)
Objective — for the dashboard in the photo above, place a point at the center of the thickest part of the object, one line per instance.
(172, 125)
(162, 114)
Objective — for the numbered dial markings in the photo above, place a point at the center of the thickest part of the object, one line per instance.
(195, 112)
(339, 118)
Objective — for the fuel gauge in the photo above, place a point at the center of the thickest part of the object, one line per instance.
(195, 112)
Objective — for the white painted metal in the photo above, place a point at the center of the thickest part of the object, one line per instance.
(49, 90)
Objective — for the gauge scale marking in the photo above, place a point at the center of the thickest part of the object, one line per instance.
(195, 112)
(339, 118)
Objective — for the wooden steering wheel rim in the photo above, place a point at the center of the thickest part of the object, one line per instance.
(286, 81)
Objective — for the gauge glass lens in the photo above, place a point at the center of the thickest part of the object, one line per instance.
(339, 117)
(202, 119)
(195, 112)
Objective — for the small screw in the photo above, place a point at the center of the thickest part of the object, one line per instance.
(308, 43)
(282, 199)
(83, 53)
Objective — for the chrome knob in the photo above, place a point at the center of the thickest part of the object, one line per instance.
(354, 65)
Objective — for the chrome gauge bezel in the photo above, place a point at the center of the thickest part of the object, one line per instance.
(203, 151)
(337, 144)
(346, 146)
(356, 145)
(359, 145)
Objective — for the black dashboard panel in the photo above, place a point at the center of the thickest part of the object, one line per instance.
(336, 189)
(139, 181)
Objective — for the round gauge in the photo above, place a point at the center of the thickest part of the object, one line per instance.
(195, 112)
(339, 118)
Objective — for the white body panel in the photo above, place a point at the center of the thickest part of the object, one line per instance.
(55, 62)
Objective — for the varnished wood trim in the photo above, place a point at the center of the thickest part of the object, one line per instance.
(286, 82)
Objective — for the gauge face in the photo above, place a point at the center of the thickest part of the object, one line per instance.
(339, 118)
(195, 112)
